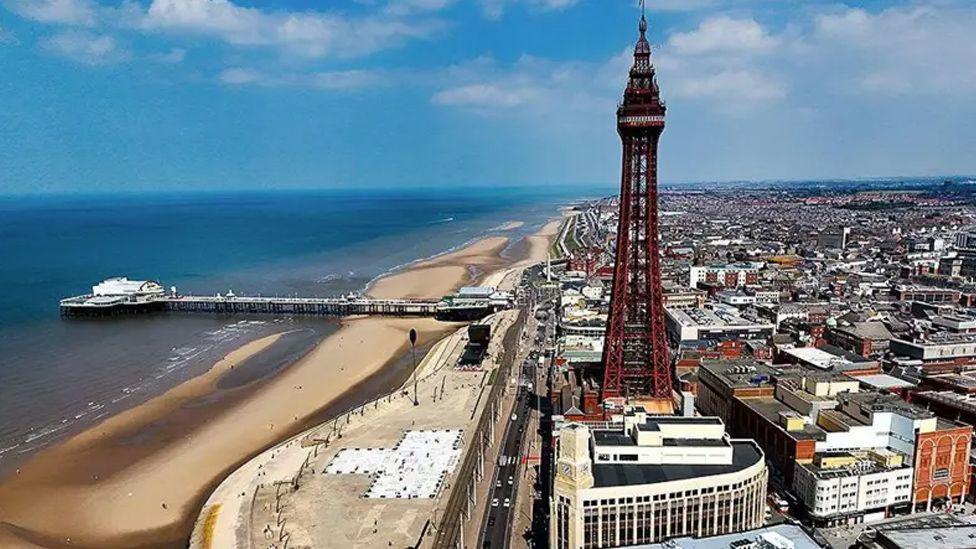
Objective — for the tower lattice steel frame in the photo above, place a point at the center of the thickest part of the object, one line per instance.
(636, 360)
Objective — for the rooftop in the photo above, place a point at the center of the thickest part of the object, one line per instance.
(653, 423)
(745, 453)
(770, 408)
(710, 318)
(794, 534)
(740, 373)
(886, 402)
(953, 537)
(885, 381)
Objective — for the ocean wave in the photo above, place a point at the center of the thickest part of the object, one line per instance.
(333, 277)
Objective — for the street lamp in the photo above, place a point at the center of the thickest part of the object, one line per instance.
(413, 355)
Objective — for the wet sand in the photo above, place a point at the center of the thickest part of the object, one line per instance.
(137, 480)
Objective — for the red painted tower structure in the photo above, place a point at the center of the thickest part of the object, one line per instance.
(636, 360)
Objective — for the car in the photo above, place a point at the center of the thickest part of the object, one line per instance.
(498, 484)
(511, 480)
(494, 502)
(491, 521)
(514, 417)
(508, 502)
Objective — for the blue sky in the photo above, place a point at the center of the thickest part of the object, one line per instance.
(106, 95)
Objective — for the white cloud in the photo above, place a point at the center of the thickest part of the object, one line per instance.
(534, 84)
(404, 7)
(238, 76)
(85, 47)
(310, 34)
(479, 96)
(340, 80)
(7, 37)
(723, 34)
(555, 4)
(682, 5)
(900, 50)
(62, 12)
(729, 86)
(174, 56)
(728, 63)
(495, 9)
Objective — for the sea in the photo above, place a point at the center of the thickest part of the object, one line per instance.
(58, 376)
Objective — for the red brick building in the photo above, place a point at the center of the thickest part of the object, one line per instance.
(942, 470)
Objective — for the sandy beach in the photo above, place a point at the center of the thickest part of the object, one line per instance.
(139, 478)
(436, 277)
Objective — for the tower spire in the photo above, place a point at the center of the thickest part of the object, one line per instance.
(643, 20)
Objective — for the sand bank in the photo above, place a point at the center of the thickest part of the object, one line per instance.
(139, 478)
(434, 278)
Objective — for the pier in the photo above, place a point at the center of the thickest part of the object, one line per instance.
(302, 306)
(83, 306)
(120, 296)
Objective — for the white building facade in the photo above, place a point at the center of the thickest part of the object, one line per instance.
(660, 477)
(861, 490)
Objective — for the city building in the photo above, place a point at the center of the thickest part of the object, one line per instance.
(728, 275)
(714, 324)
(847, 487)
(867, 339)
(780, 536)
(655, 478)
(926, 294)
(822, 358)
(833, 239)
(798, 413)
(937, 353)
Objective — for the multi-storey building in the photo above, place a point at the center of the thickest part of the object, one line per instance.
(834, 239)
(797, 413)
(851, 487)
(864, 338)
(731, 275)
(939, 353)
(942, 468)
(658, 477)
(927, 294)
(684, 298)
(717, 324)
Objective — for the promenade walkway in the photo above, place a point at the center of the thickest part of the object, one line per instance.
(283, 496)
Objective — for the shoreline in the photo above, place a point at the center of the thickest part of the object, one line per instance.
(187, 465)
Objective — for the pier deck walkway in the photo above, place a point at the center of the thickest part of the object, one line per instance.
(326, 306)
(304, 305)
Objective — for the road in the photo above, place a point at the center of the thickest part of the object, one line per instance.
(506, 476)
(502, 511)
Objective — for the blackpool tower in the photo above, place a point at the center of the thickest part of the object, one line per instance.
(636, 360)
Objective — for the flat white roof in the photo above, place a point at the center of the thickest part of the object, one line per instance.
(815, 356)
(413, 469)
(885, 381)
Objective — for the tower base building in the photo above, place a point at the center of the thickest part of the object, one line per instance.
(656, 478)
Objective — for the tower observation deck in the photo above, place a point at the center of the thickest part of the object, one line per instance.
(636, 360)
